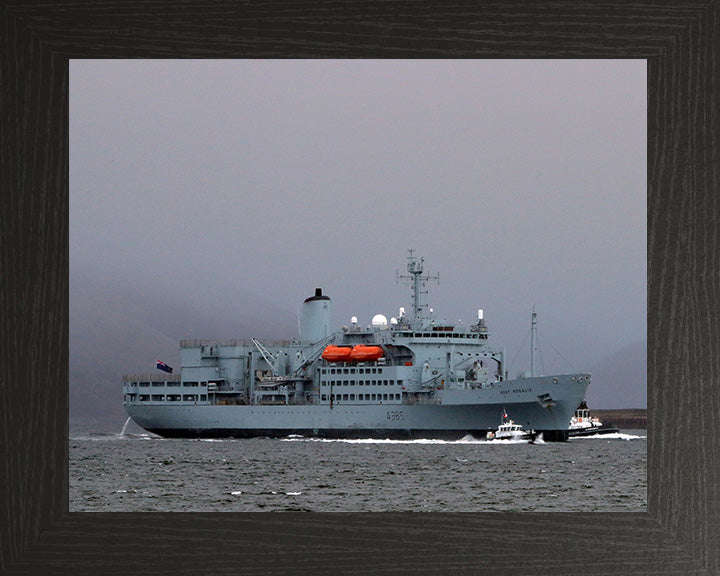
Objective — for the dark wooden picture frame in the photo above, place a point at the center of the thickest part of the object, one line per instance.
(679, 534)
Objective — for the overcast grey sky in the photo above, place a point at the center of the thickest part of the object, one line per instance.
(521, 182)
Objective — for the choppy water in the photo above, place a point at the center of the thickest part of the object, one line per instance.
(142, 472)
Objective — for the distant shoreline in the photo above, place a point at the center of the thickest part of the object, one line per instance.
(623, 418)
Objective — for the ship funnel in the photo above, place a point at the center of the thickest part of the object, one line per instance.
(315, 317)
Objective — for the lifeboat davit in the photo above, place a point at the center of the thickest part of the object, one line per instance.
(337, 353)
(361, 353)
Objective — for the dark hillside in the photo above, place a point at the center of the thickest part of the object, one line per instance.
(115, 331)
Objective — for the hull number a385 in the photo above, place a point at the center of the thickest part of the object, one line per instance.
(395, 415)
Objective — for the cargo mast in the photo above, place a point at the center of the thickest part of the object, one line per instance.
(533, 340)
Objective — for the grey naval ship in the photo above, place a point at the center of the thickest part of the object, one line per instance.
(411, 377)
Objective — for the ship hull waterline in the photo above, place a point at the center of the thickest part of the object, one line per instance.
(458, 413)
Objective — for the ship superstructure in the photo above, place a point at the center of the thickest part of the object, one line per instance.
(410, 377)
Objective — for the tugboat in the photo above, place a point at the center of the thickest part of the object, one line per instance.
(510, 430)
(582, 424)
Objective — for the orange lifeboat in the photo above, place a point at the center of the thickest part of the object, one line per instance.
(361, 353)
(337, 354)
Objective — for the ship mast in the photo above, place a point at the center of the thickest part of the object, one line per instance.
(533, 332)
(415, 267)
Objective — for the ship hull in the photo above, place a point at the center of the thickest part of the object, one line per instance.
(416, 377)
(536, 403)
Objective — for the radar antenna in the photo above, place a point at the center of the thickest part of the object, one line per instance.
(420, 311)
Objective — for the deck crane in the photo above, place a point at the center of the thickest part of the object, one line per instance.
(269, 357)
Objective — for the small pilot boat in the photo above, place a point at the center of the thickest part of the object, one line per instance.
(510, 430)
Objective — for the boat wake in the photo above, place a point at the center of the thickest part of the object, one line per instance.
(111, 437)
(384, 440)
(469, 439)
(611, 436)
(507, 441)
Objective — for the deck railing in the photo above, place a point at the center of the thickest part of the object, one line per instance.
(230, 342)
(151, 377)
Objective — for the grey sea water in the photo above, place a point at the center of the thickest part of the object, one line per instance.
(142, 472)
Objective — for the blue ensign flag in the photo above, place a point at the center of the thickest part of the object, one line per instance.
(162, 366)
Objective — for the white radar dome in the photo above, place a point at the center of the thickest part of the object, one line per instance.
(379, 320)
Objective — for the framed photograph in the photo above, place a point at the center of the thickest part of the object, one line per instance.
(676, 533)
